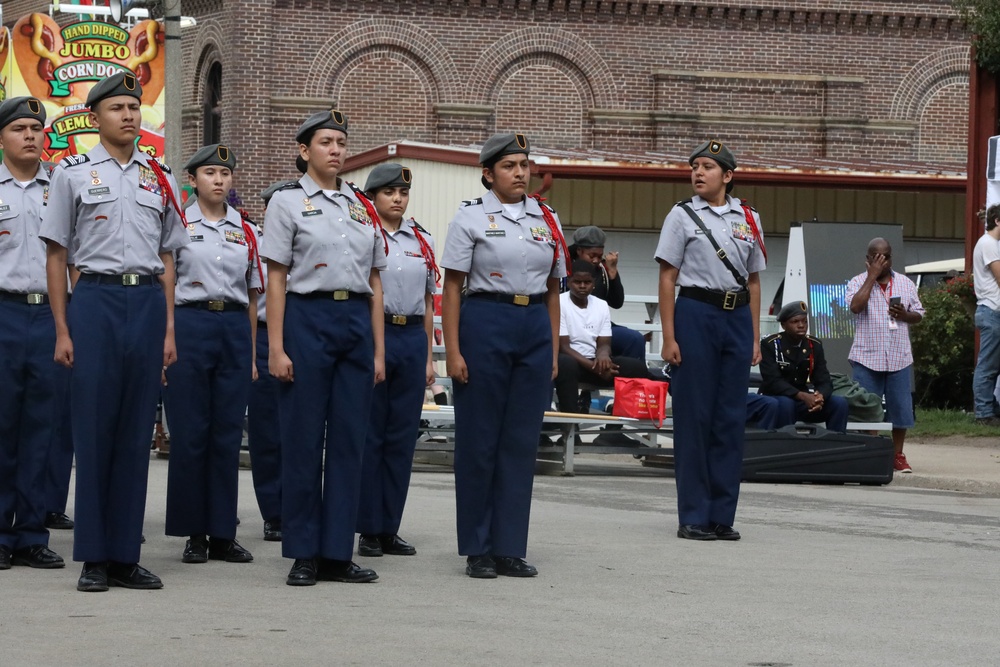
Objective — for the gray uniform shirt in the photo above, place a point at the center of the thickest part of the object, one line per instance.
(501, 254)
(216, 264)
(683, 245)
(407, 279)
(328, 242)
(113, 218)
(22, 252)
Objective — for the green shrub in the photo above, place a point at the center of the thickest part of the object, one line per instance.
(983, 19)
(944, 346)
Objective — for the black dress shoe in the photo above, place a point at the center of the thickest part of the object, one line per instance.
(4, 557)
(272, 531)
(394, 545)
(346, 571)
(58, 521)
(369, 546)
(132, 575)
(692, 532)
(37, 555)
(228, 550)
(196, 550)
(93, 578)
(514, 567)
(725, 532)
(481, 567)
(303, 572)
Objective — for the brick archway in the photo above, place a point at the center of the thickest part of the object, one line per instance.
(940, 69)
(568, 52)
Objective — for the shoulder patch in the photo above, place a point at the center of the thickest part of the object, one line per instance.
(163, 165)
(473, 202)
(682, 202)
(73, 160)
(290, 185)
(418, 227)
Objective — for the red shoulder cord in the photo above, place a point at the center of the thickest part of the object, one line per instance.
(550, 220)
(427, 252)
(254, 251)
(166, 192)
(748, 212)
(372, 213)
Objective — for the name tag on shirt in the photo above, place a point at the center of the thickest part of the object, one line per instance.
(197, 237)
(496, 232)
(100, 191)
(4, 208)
(312, 211)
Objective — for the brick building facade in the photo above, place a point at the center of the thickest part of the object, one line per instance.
(777, 79)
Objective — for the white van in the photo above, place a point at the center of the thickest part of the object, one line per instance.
(930, 274)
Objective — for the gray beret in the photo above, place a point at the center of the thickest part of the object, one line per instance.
(388, 175)
(213, 154)
(503, 144)
(323, 120)
(790, 310)
(16, 108)
(717, 151)
(589, 237)
(267, 192)
(123, 83)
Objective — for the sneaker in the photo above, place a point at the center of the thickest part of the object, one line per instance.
(988, 421)
(901, 464)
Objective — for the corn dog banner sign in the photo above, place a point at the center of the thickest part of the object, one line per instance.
(59, 66)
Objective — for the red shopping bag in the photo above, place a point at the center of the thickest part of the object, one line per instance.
(640, 398)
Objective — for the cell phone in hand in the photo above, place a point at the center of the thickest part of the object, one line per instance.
(895, 301)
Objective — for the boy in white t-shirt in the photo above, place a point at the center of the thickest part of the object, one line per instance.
(986, 279)
(585, 341)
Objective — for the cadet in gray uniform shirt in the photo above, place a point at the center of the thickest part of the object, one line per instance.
(116, 208)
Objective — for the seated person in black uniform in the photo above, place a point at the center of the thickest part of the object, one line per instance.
(793, 369)
(588, 244)
(585, 341)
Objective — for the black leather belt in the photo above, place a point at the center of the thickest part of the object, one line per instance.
(404, 320)
(32, 299)
(126, 279)
(261, 324)
(516, 299)
(719, 299)
(216, 306)
(336, 295)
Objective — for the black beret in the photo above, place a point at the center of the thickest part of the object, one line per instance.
(123, 83)
(16, 108)
(269, 191)
(503, 144)
(793, 309)
(589, 237)
(388, 175)
(717, 151)
(213, 154)
(323, 120)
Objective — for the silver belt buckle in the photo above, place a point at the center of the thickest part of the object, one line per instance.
(130, 279)
(399, 319)
(521, 299)
(35, 299)
(341, 295)
(729, 302)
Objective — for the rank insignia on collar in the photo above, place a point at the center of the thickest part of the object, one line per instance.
(490, 218)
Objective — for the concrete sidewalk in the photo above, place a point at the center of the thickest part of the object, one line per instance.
(954, 464)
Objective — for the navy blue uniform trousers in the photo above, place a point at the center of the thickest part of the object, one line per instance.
(498, 419)
(392, 431)
(205, 401)
(330, 345)
(833, 414)
(30, 406)
(118, 356)
(264, 434)
(709, 390)
(767, 413)
(59, 467)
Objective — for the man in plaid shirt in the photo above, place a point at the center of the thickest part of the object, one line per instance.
(886, 304)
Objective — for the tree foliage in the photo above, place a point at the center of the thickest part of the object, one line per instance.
(983, 19)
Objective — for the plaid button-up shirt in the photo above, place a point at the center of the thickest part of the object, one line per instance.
(876, 346)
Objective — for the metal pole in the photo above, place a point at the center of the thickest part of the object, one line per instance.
(173, 84)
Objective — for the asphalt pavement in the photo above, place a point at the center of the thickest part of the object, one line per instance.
(825, 575)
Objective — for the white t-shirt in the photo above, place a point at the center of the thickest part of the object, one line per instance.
(987, 291)
(584, 325)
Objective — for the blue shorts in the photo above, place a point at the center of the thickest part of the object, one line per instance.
(894, 386)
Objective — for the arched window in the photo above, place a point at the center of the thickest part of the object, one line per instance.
(212, 110)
